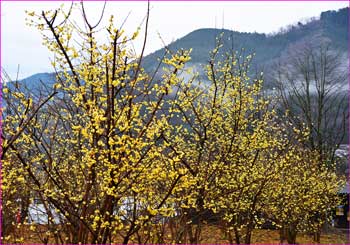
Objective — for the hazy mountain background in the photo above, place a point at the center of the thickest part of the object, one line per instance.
(331, 26)
(268, 48)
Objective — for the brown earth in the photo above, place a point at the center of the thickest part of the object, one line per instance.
(210, 235)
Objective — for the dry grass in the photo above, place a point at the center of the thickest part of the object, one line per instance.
(262, 236)
(213, 235)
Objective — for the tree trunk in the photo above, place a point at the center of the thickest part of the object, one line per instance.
(317, 234)
(126, 239)
(249, 229)
(292, 234)
(282, 234)
(192, 238)
(237, 236)
(230, 237)
(25, 202)
(198, 232)
(248, 237)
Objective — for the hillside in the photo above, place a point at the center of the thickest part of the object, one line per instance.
(331, 25)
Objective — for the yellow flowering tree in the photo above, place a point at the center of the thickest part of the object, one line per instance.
(305, 194)
(116, 155)
(21, 108)
(223, 135)
(94, 155)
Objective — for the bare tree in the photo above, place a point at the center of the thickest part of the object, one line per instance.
(312, 84)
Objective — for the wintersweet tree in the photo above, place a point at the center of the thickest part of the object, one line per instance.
(20, 110)
(232, 145)
(305, 193)
(224, 135)
(94, 156)
(116, 155)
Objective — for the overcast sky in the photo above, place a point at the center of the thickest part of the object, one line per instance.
(21, 45)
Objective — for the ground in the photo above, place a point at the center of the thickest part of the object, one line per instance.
(212, 235)
(265, 236)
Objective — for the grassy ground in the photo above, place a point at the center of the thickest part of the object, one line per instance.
(212, 235)
(260, 236)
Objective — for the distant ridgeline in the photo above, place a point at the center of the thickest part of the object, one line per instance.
(39, 80)
(332, 26)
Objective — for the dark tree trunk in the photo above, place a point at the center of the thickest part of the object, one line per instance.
(126, 240)
(292, 234)
(282, 234)
(237, 236)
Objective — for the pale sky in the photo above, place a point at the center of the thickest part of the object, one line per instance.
(21, 45)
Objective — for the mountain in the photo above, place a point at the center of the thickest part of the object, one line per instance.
(331, 26)
(36, 81)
